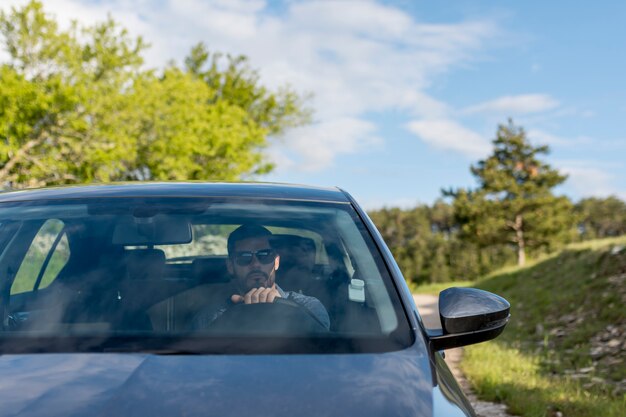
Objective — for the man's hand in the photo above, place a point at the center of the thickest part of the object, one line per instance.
(257, 295)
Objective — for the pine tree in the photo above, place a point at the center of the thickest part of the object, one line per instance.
(514, 203)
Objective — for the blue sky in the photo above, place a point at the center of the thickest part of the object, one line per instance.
(407, 94)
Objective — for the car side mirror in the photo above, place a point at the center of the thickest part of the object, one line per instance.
(468, 316)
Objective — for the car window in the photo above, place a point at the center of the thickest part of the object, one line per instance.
(46, 256)
(206, 240)
(172, 268)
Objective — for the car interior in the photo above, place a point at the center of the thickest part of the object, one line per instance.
(85, 275)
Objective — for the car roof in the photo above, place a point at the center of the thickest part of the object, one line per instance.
(181, 189)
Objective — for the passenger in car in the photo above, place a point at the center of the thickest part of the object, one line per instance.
(253, 264)
(297, 261)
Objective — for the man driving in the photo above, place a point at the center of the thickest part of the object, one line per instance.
(253, 263)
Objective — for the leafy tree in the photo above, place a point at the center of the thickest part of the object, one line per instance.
(406, 232)
(178, 136)
(601, 217)
(441, 216)
(425, 243)
(239, 85)
(78, 106)
(513, 203)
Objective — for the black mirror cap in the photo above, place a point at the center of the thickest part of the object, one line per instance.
(468, 316)
(463, 310)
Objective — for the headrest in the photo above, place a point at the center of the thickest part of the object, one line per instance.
(145, 263)
(210, 270)
(294, 251)
(291, 241)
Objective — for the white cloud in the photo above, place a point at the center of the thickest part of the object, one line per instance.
(357, 57)
(540, 137)
(427, 107)
(515, 105)
(314, 147)
(350, 17)
(450, 135)
(588, 179)
(437, 127)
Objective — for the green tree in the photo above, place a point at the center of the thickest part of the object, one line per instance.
(601, 217)
(406, 232)
(78, 106)
(231, 79)
(514, 203)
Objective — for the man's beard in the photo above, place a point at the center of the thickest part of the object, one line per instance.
(258, 278)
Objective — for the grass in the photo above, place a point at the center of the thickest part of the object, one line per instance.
(436, 287)
(558, 304)
(505, 374)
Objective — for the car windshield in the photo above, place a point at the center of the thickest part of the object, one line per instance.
(194, 275)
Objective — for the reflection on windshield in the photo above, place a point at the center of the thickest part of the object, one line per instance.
(188, 268)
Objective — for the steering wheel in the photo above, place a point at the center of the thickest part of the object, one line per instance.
(282, 317)
(291, 303)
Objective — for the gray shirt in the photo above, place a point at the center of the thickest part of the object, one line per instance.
(208, 315)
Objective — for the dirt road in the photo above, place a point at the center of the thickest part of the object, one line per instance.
(427, 306)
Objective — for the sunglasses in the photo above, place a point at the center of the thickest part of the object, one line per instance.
(264, 256)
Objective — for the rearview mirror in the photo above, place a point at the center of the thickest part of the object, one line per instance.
(159, 229)
(468, 316)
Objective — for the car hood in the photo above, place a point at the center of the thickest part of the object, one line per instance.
(385, 384)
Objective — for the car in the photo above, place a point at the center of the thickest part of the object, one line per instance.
(161, 299)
